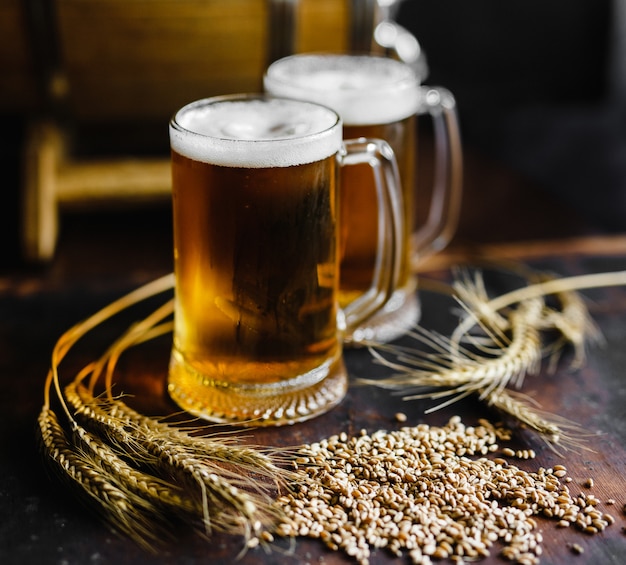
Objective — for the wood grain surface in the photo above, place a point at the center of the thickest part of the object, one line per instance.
(47, 524)
(102, 256)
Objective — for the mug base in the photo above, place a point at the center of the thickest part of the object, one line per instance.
(400, 314)
(276, 404)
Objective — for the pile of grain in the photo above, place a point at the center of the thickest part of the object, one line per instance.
(417, 491)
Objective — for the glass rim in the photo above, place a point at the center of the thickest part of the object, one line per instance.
(310, 145)
(242, 97)
(393, 94)
(408, 78)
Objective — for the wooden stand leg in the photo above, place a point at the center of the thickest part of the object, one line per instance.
(53, 182)
(42, 156)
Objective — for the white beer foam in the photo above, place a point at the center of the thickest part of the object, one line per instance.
(255, 132)
(362, 89)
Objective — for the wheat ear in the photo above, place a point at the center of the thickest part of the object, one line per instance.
(493, 362)
(554, 430)
(260, 461)
(120, 508)
(152, 438)
(574, 324)
(545, 288)
(214, 474)
(462, 372)
(155, 491)
(129, 481)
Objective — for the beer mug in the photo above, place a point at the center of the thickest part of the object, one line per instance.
(381, 97)
(257, 324)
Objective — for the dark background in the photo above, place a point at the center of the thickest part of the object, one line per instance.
(539, 86)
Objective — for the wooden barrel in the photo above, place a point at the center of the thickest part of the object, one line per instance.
(143, 59)
(102, 64)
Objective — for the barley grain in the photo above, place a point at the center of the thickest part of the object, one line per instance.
(563, 523)
(430, 492)
(577, 548)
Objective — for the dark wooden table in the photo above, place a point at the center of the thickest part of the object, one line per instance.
(102, 256)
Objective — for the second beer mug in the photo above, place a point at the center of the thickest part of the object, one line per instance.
(257, 328)
(380, 97)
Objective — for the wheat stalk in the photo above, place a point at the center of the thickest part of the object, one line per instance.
(139, 472)
(552, 286)
(463, 372)
(121, 508)
(491, 361)
(553, 429)
(156, 492)
(151, 436)
(574, 324)
(213, 472)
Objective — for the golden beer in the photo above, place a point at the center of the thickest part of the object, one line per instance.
(255, 268)
(380, 97)
(255, 203)
(376, 97)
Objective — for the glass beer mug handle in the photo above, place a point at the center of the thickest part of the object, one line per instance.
(390, 243)
(445, 206)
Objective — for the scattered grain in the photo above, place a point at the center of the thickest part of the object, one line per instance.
(401, 417)
(577, 549)
(418, 491)
(608, 518)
